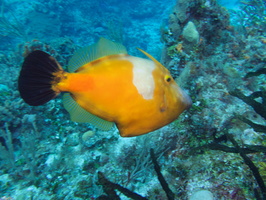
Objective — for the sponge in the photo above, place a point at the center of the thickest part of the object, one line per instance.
(190, 33)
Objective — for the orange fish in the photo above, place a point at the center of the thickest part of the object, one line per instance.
(106, 86)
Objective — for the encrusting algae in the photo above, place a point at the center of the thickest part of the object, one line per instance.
(104, 86)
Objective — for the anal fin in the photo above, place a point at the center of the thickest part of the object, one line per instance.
(78, 114)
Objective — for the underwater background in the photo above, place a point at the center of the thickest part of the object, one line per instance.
(216, 51)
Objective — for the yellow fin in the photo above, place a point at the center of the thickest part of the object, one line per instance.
(100, 49)
(149, 56)
(78, 114)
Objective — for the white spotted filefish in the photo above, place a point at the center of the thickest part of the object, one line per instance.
(106, 86)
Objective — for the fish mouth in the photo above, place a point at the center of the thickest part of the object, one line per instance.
(186, 99)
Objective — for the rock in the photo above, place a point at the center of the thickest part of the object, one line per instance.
(202, 195)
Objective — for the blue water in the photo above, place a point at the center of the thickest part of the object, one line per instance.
(136, 24)
(46, 156)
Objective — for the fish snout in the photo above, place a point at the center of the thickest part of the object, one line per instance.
(186, 99)
(183, 97)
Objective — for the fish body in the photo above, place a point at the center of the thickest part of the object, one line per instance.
(138, 95)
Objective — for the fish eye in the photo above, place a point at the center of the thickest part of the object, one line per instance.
(168, 79)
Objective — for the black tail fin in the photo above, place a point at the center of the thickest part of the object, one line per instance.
(36, 76)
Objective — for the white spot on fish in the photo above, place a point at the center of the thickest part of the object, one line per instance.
(142, 76)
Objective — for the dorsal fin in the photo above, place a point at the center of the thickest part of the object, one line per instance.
(149, 56)
(78, 114)
(100, 49)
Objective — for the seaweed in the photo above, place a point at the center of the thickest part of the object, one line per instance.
(256, 73)
(217, 146)
(259, 108)
(251, 166)
(243, 153)
(110, 187)
(255, 126)
(165, 186)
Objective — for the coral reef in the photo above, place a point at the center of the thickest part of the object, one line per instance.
(251, 17)
(109, 187)
(200, 26)
(211, 71)
(259, 108)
